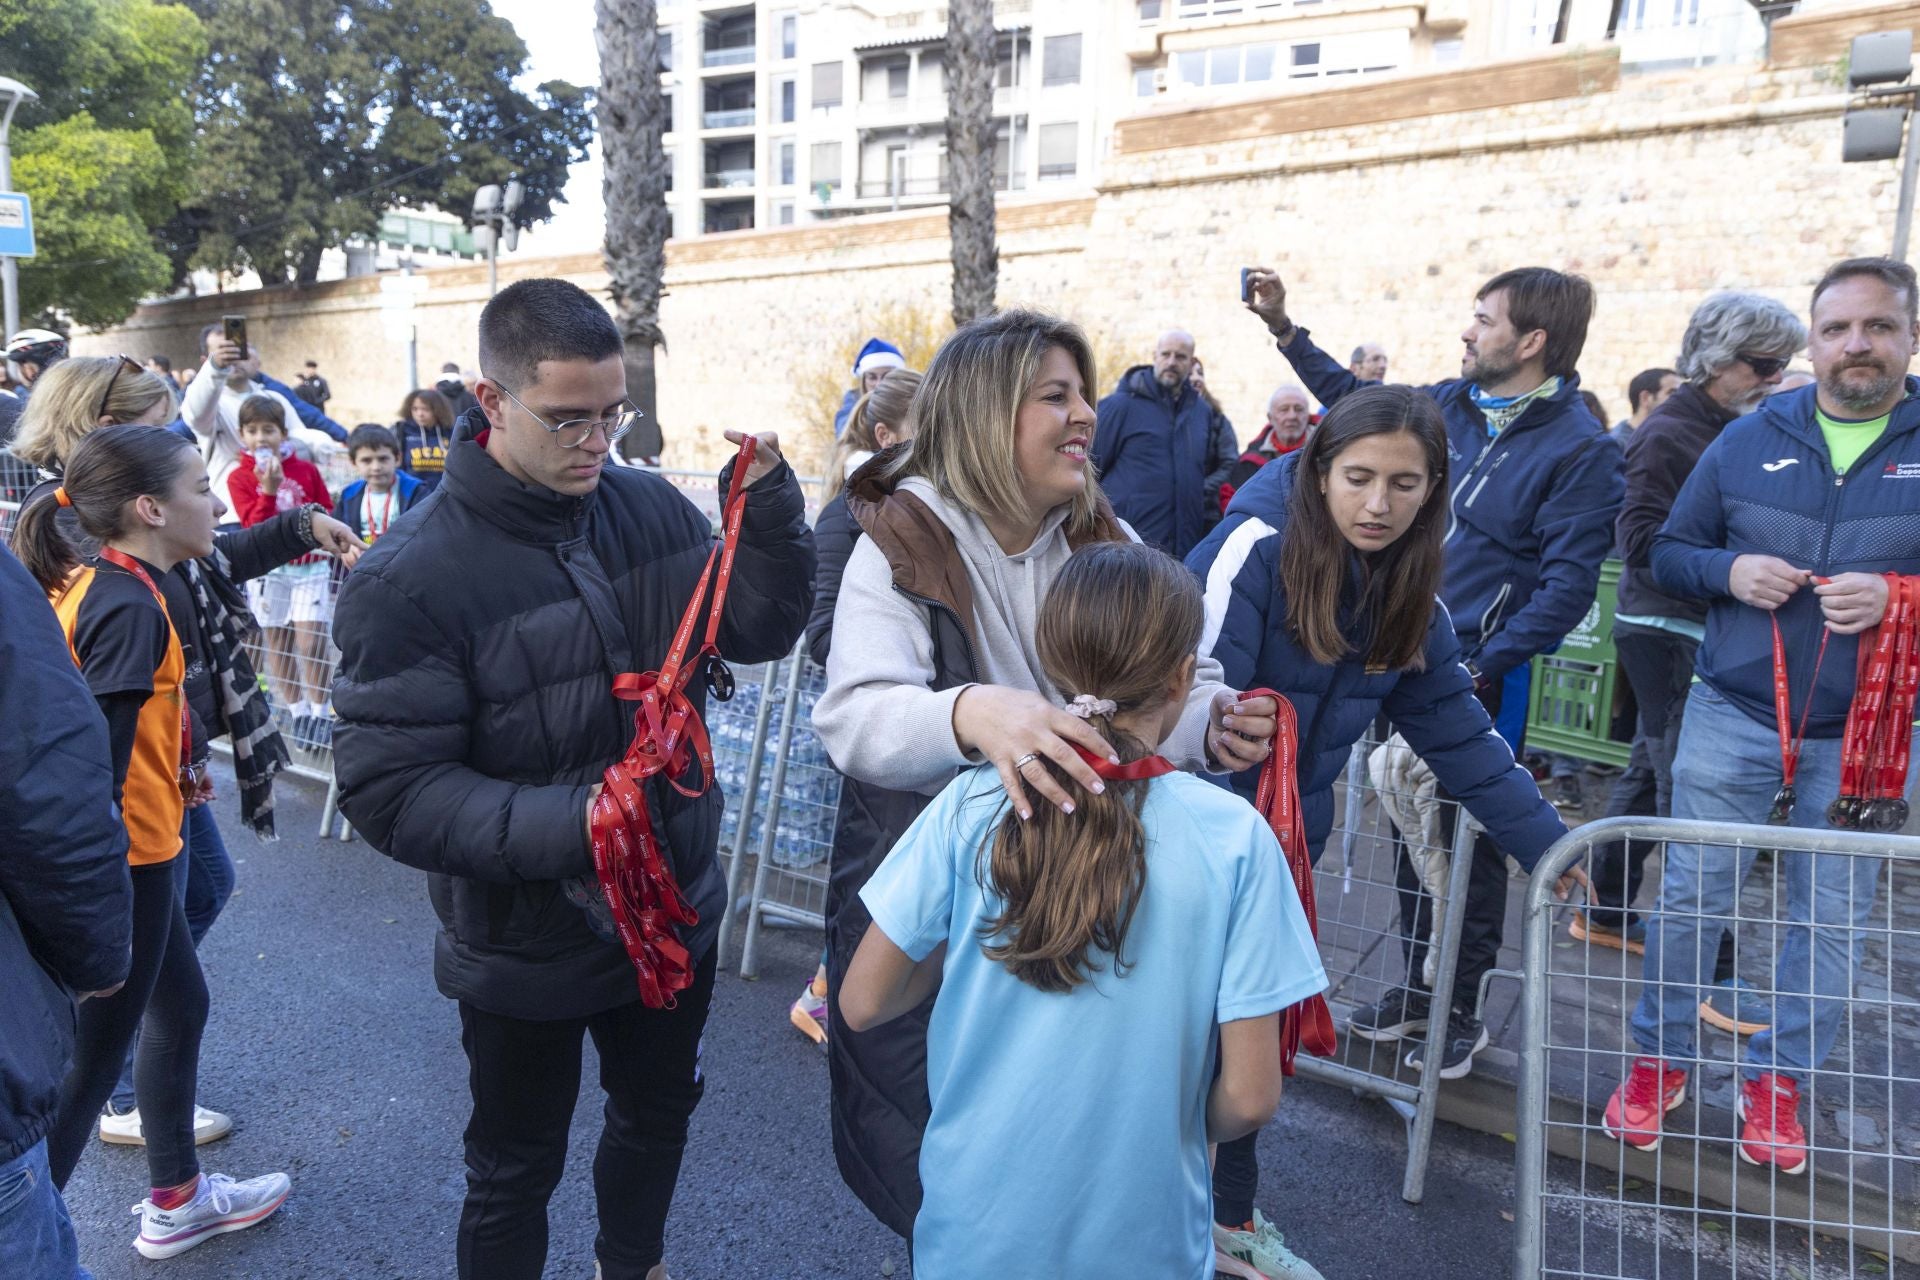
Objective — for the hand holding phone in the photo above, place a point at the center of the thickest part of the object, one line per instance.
(234, 329)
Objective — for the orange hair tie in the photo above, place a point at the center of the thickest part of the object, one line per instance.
(61, 496)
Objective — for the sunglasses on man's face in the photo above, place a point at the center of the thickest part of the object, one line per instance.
(1764, 366)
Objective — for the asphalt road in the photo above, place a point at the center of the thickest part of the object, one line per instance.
(341, 1065)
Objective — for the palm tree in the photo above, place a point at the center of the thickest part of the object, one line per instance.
(632, 116)
(970, 135)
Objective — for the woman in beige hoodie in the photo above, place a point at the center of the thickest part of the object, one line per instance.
(933, 668)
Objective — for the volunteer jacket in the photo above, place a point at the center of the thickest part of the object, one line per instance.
(1434, 708)
(1162, 458)
(1531, 518)
(66, 902)
(1767, 486)
(479, 644)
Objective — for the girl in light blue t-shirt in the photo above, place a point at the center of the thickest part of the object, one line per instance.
(1092, 967)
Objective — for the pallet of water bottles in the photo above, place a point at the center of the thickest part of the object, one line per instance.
(809, 788)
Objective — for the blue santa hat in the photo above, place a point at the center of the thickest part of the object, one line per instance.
(878, 354)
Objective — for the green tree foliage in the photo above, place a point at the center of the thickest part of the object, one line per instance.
(105, 152)
(318, 115)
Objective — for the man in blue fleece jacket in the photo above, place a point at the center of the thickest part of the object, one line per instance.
(1789, 521)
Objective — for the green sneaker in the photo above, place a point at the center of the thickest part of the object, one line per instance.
(1259, 1254)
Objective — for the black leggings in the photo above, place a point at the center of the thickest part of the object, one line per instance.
(165, 986)
(1236, 1177)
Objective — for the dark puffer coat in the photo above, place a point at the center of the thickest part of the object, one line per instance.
(479, 641)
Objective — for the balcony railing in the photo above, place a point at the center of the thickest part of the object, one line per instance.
(729, 178)
(731, 56)
(912, 188)
(738, 119)
(881, 112)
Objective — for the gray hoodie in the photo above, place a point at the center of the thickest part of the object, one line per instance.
(879, 718)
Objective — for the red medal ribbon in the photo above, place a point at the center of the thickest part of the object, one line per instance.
(1791, 743)
(1308, 1024)
(186, 776)
(1138, 771)
(645, 900)
(1877, 741)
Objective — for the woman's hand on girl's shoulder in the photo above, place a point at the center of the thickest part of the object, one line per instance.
(1015, 729)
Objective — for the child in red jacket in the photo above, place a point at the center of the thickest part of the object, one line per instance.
(293, 603)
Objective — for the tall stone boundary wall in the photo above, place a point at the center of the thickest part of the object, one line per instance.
(1383, 205)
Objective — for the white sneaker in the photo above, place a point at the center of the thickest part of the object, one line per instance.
(221, 1205)
(123, 1127)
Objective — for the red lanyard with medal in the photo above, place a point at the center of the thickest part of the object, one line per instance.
(642, 895)
(1877, 740)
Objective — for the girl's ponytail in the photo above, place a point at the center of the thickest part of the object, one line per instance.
(42, 548)
(1071, 882)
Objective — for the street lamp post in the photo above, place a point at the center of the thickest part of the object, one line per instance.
(493, 210)
(1879, 70)
(15, 93)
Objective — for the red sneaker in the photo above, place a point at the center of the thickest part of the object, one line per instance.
(1770, 1131)
(1650, 1091)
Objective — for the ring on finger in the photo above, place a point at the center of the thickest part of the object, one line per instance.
(1025, 760)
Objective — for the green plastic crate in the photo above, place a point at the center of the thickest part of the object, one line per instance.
(1571, 704)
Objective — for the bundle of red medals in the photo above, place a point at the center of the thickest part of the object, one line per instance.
(668, 737)
(1875, 746)
(1278, 799)
(1879, 733)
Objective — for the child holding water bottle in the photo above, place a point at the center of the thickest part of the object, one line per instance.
(1110, 979)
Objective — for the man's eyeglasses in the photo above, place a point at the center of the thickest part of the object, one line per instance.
(126, 362)
(1764, 366)
(575, 432)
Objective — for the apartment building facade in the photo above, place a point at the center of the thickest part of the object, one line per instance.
(786, 112)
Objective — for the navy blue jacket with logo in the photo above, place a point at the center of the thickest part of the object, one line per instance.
(1434, 708)
(1162, 459)
(1767, 486)
(1532, 514)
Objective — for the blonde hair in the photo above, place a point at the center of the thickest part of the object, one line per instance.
(963, 417)
(66, 405)
(886, 405)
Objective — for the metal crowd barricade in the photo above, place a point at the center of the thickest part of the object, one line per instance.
(1362, 896)
(1699, 1204)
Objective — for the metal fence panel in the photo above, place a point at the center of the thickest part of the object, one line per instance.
(1363, 895)
(1699, 1199)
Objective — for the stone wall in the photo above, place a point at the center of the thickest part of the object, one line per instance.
(1383, 213)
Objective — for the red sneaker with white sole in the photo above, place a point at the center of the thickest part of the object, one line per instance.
(1770, 1129)
(1635, 1110)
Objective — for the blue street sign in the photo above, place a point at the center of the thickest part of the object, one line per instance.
(16, 225)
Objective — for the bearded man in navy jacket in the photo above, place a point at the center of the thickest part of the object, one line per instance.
(1789, 520)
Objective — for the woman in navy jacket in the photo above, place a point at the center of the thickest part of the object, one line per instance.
(1321, 583)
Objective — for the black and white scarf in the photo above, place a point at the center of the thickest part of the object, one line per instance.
(246, 716)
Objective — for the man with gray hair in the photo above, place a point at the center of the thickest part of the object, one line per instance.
(1369, 363)
(1735, 349)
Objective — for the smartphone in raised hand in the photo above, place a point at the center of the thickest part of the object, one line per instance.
(234, 329)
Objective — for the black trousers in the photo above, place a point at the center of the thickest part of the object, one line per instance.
(525, 1077)
(165, 986)
(1658, 666)
(1236, 1177)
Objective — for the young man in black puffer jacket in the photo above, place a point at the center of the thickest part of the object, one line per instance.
(479, 643)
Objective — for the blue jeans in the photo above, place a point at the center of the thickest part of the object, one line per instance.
(205, 885)
(1727, 769)
(36, 1235)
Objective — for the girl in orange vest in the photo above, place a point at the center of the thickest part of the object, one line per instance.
(143, 493)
